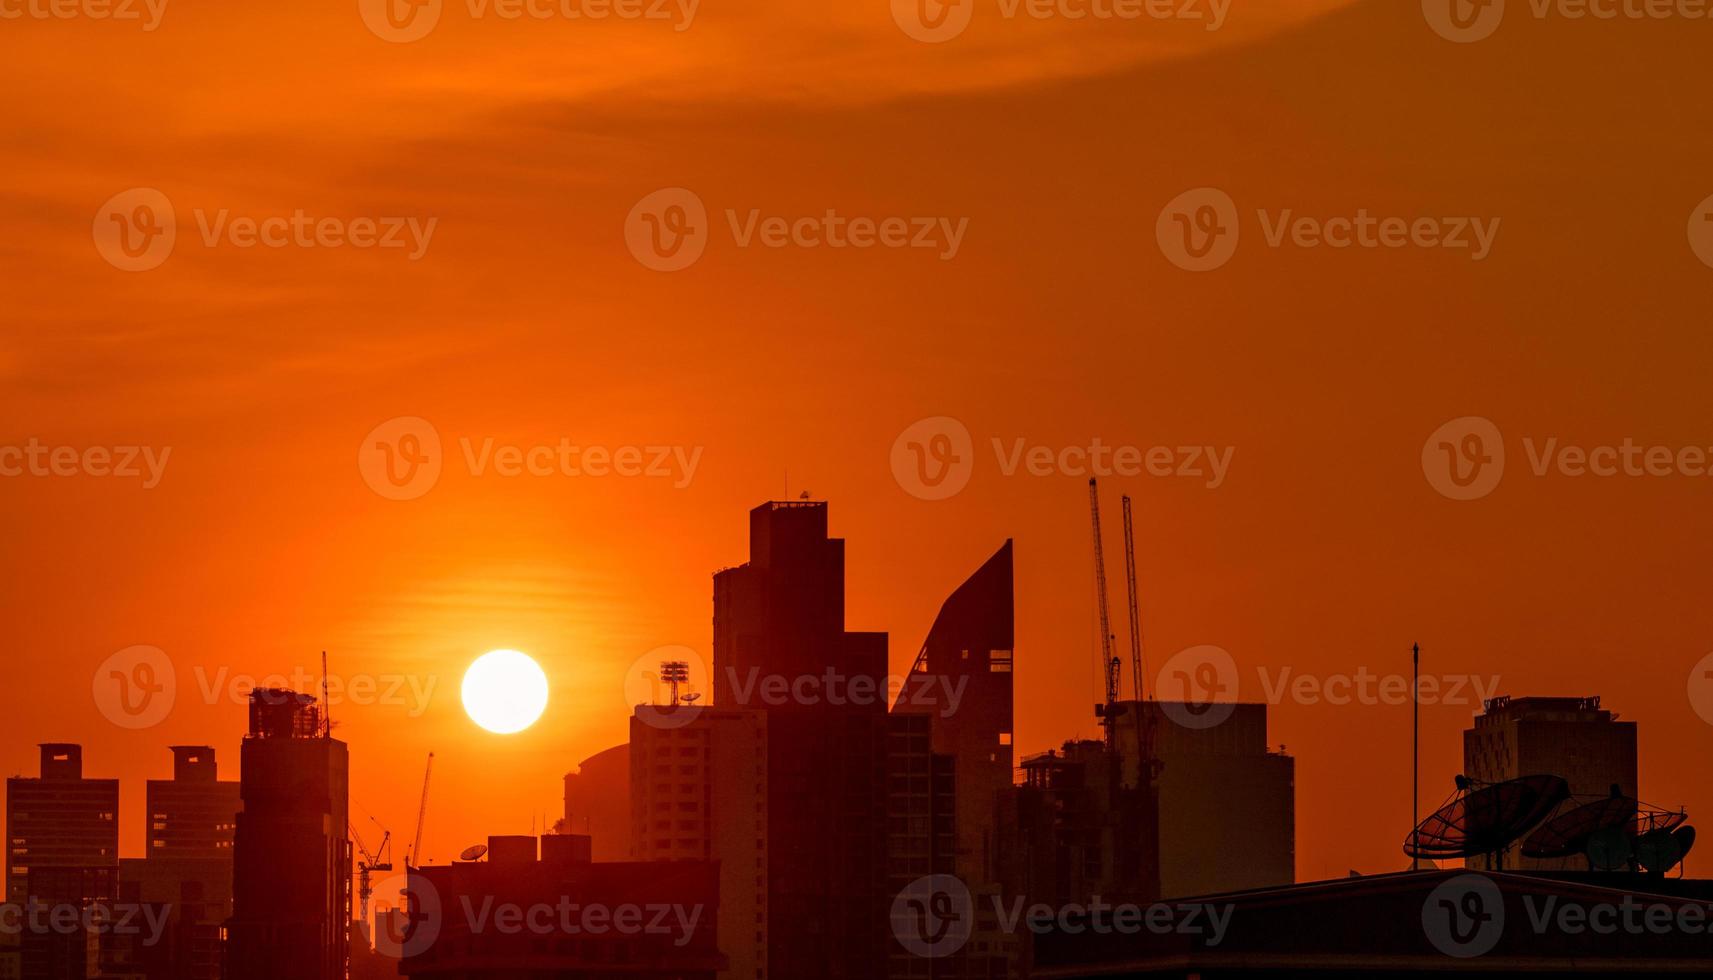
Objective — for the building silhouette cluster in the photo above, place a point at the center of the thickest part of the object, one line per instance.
(790, 821)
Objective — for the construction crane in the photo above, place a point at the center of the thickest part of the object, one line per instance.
(1145, 720)
(414, 858)
(1109, 662)
(380, 859)
(1135, 615)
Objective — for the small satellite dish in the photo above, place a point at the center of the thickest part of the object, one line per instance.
(1658, 851)
(475, 853)
(1661, 850)
(690, 698)
(1611, 849)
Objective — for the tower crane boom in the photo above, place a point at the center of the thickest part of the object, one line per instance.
(1135, 614)
(415, 856)
(1109, 663)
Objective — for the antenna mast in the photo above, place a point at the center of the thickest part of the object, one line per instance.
(326, 705)
(1109, 663)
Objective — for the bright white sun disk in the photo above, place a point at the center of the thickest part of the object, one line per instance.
(505, 691)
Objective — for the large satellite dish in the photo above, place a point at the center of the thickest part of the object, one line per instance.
(474, 853)
(1486, 818)
(1570, 832)
(1608, 831)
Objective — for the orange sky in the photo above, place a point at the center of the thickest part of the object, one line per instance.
(1059, 321)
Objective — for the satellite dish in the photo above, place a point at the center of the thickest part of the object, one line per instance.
(690, 698)
(475, 853)
(1661, 850)
(1570, 832)
(1611, 849)
(1574, 830)
(1486, 818)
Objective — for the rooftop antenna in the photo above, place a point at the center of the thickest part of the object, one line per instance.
(1416, 745)
(675, 672)
(326, 705)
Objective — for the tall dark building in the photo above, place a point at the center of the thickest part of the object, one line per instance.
(699, 793)
(59, 820)
(62, 851)
(1574, 738)
(187, 873)
(597, 802)
(292, 856)
(1226, 802)
(960, 690)
(780, 646)
(193, 814)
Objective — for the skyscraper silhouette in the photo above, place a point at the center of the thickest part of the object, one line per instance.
(961, 688)
(780, 647)
(292, 857)
(62, 853)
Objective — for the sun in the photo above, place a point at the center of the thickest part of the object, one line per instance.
(505, 691)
